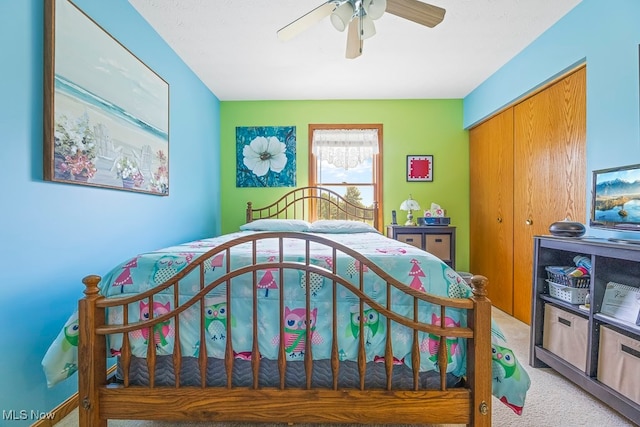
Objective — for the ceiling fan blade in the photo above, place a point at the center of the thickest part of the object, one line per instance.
(306, 21)
(416, 11)
(354, 41)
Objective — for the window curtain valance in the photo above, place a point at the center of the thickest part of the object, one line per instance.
(345, 148)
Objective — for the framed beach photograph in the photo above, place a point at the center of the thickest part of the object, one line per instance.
(106, 114)
(420, 168)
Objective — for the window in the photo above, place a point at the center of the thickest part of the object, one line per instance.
(348, 160)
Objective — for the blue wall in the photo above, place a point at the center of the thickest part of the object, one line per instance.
(53, 234)
(605, 35)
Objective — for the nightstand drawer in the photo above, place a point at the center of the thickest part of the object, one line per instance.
(436, 239)
(412, 239)
(439, 245)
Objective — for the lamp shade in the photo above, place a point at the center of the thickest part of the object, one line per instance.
(368, 28)
(374, 8)
(409, 205)
(341, 17)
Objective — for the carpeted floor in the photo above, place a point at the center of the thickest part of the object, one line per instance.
(551, 400)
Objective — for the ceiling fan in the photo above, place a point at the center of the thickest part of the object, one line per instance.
(358, 16)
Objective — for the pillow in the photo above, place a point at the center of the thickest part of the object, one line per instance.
(274, 224)
(337, 226)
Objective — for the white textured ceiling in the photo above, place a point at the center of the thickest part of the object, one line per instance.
(232, 46)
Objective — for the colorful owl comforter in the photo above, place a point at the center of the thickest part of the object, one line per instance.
(416, 268)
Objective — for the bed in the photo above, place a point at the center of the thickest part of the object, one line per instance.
(288, 320)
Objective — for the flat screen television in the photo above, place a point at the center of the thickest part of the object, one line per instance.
(615, 200)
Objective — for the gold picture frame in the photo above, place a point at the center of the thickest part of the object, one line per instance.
(106, 113)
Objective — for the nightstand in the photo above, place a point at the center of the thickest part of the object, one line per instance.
(435, 239)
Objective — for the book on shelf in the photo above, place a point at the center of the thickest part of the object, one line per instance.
(622, 302)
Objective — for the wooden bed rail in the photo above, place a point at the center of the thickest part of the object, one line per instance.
(100, 400)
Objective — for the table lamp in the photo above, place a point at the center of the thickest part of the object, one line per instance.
(409, 205)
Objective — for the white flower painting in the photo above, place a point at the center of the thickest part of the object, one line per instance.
(266, 156)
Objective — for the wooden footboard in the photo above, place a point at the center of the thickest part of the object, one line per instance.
(102, 399)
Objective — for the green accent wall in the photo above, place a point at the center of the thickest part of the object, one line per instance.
(419, 127)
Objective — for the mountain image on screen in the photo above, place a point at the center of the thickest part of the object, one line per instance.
(616, 198)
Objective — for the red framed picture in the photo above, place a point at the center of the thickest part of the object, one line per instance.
(420, 168)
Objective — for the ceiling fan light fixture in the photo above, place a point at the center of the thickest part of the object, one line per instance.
(358, 16)
(342, 15)
(375, 8)
(368, 27)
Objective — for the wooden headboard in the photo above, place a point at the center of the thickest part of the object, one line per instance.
(312, 203)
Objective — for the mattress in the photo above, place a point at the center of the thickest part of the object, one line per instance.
(375, 378)
(416, 268)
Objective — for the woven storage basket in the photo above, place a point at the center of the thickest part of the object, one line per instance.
(568, 293)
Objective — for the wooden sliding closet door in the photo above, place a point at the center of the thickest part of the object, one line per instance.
(527, 170)
(491, 206)
(549, 171)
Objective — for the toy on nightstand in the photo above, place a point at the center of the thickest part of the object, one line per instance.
(434, 216)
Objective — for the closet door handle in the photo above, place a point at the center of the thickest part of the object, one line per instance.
(529, 221)
(499, 219)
